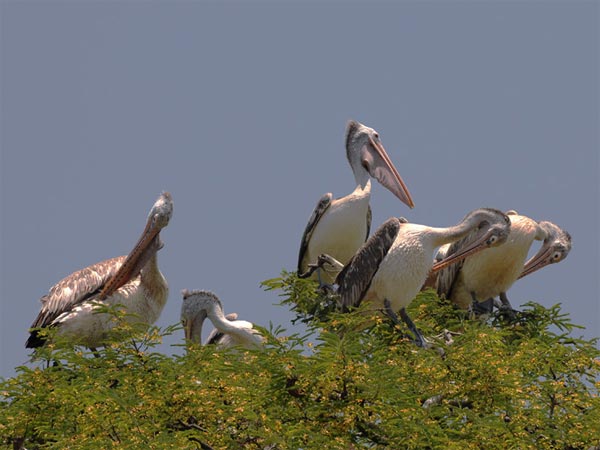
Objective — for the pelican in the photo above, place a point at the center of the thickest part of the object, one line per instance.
(198, 305)
(216, 336)
(475, 281)
(389, 269)
(133, 281)
(338, 227)
(555, 248)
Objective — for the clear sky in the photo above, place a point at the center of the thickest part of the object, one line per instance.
(239, 110)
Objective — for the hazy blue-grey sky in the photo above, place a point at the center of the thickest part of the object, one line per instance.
(239, 110)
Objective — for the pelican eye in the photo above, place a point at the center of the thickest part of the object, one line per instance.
(492, 240)
(556, 256)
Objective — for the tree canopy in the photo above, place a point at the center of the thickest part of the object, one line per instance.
(527, 384)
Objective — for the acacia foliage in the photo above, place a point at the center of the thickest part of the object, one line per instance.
(528, 385)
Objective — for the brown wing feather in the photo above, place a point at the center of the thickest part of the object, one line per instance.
(73, 290)
(448, 275)
(369, 219)
(355, 278)
(322, 205)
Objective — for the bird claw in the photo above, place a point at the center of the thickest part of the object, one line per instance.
(507, 313)
(505, 309)
(328, 289)
(485, 307)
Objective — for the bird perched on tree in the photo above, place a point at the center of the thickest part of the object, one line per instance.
(230, 332)
(133, 281)
(338, 227)
(475, 281)
(389, 269)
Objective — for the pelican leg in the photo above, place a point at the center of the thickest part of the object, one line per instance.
(419, 339)
(387, 309)
(322, 284)
(480, 308)
(484, 307)
(506, 308)
(390, 312)
(505, 301)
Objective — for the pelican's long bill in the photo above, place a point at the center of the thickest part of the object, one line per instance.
(541, 259)
(379, 165)
(192, 328)
(555, 248)
(147, 245)
(549, 254)
(493, 236)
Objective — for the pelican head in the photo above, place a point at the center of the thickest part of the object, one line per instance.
(555, 248)
(146, 247)
(194, 311)
(491, 228)
(158, 218)
(161, 211)
(367, 157)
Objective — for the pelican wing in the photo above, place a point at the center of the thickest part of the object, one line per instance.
(432, 277)
(71, 291)
(447, 276)
(322, 205)
(215, 335)
(369, 218)
(355, 278)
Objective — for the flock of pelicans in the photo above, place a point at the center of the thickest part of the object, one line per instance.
(478, 260)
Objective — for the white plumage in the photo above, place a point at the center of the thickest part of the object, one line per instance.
(390, 268)
(338, 227)
(405, 267)
(492, 272)
(230, 332)
(133, 281)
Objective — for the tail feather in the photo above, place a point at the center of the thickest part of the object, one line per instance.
(35, 340)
